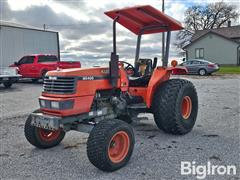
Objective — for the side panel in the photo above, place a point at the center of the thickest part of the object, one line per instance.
(159, 76)
(26, 69)
(95, 79)
(34, 69)
(124, 83)
(138, 91)
(89, 87)
(42, 67)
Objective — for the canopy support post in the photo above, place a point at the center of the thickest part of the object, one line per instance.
(137, 50)
(114, 35)
(165, 62)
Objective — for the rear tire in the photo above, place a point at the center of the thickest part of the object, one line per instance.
(202, 72)
(175, 106)
(44, 72)
(110, 144)
(7, 84)
(42, 138)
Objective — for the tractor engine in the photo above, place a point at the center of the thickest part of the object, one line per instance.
(114, 100)
(78, 91)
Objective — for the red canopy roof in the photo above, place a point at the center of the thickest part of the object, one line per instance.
(138, 17)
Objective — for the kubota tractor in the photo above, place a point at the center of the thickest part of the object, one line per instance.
(103, 100)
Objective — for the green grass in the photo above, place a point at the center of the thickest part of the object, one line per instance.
(229, 70)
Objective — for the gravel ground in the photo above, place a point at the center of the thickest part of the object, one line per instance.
(157, 155)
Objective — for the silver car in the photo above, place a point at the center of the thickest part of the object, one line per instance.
(200, 66)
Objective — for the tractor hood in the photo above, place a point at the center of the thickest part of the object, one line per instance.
(80, 72)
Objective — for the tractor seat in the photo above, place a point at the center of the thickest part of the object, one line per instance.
(143, 73)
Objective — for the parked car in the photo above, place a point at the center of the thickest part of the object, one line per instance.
(200, 66)
(36, 66)
(8, 76)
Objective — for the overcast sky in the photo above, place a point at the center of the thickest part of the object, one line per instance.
(86, 33)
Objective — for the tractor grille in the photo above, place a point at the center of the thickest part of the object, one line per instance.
(59, 85)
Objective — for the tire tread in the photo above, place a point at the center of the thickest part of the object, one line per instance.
(31, 136)
(164, 105)
(96, 144)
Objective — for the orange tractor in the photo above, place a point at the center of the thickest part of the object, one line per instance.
(102, 101)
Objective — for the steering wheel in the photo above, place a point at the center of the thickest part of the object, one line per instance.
(127, 66)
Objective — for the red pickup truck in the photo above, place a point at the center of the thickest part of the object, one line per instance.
(36, 66)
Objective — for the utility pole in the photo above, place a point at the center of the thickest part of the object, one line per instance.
(163, 38)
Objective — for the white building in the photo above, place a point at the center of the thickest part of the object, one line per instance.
(17, 41)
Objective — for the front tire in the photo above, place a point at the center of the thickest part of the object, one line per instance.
(175, 106)
(7, 84)
(42, 138)
(110, 144)
(44, 72)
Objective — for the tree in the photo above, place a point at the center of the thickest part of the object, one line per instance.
(197, 17)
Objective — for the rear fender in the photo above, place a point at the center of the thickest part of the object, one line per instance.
(178, 70)
(159, 76)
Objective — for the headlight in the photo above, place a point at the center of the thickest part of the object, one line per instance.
(42, 103)
(61, 105)
(66, 104)
(55, 105)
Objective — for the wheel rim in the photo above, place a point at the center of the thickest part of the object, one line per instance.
(202, 72)
(118, 147)
(47, 135)
(186, 107)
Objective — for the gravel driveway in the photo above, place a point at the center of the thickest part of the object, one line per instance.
(215, 138)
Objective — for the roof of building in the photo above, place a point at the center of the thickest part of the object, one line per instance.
(229, 33)
(22, 26)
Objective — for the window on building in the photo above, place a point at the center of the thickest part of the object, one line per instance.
(199, 53)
